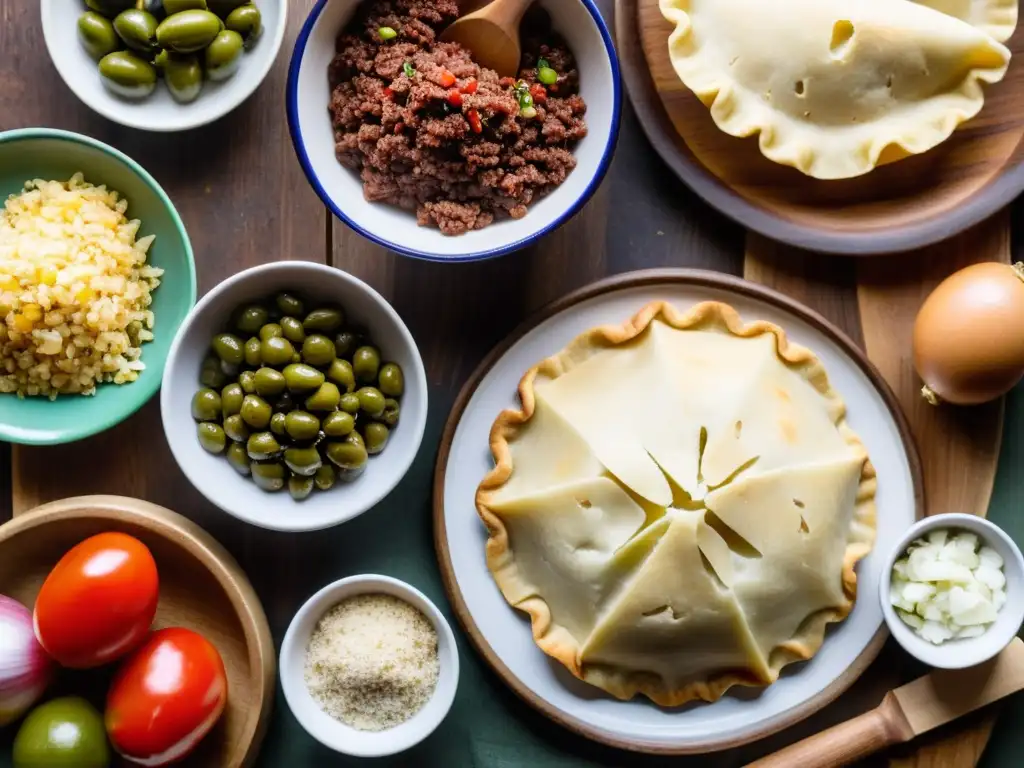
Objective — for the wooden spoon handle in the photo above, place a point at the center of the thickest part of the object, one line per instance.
(847, 742)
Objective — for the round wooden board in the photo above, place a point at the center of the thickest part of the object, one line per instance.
(632, 280)
(897, 207)
(201, 588)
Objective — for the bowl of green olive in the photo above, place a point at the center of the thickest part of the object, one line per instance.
(294, 397)
(163, 65)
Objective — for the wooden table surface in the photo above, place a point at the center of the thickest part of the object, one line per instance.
(245, 201)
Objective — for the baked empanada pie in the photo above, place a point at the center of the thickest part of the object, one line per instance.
(835, 87)
(679, 505)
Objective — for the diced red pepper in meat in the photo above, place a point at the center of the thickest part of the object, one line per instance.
(470, 87)
(539, 93)
(474, 121)
(447, 79)
(507, 82)
(399, 127)
(455, 98)
(389, 94)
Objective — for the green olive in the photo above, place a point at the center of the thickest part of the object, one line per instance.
(138, 31)
(109, 8)
(341, 374)
(223, 55)
(366, 365)
(391, 380)
(371, 401)
(284, 403)
(276, 351)
(247, 22)
(326, 398)
(236, 428)
(338, 424)
(349, 453)
(211, 374)
(229, 348)
(375, 435)
(325, 320)
(269, 476)
(212, 437)
(128, 75)
(223, 7)
(247, 381)
(324, 477)
(251, 318)
(290, 304)
(302, 426)
(269, 383)
(270, 331)
(177, 6)
(318, 350)
(293, 330)
(238, 459)
(256, 411)
(230, 369)
(231, 398)
(206, 405)
(302, 378)
(188, 31)
(303, 461)
(346, 342)
(262, 445)
(349, 403)
(184, 77)
(350, 475)
(160, 62)
(97, 35)
(277, 422)
(253, 355)
(300, 487)
(391, 412)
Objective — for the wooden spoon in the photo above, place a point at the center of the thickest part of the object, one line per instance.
(492, 35)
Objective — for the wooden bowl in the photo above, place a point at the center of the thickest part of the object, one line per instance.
(201, 587)
(896, 207)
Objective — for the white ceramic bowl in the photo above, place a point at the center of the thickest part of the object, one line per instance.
(212, 475)
(958, 654)
(334, 734)
(578, 21)
(159, 112)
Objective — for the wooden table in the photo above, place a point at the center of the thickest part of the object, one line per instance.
(245, 201)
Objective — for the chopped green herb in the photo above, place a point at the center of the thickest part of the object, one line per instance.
(543, 64)
(387, 33)
(408, 69)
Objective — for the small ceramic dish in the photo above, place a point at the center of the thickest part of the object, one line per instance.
(335, 734)
(308, 95)
(201, 588)
(213, 476)
(959, 654)
(159, 112)
(44, 153)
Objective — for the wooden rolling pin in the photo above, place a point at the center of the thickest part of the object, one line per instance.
(907, 712)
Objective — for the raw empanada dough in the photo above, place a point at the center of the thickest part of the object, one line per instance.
(833, 87)
(679, 505)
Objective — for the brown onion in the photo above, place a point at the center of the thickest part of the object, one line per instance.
(969, 335)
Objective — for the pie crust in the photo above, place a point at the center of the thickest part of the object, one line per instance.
(678, 505)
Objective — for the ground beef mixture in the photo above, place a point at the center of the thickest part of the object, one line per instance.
(429, 130)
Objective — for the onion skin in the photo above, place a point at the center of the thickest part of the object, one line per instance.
(25, 669)
(969, 335)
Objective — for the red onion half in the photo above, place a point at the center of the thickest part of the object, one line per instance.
(25, 668)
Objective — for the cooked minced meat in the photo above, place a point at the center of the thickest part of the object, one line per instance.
(431, 131)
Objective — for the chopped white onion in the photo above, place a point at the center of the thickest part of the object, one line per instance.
(946, 588)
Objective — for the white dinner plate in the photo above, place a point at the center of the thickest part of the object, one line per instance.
(502, 634)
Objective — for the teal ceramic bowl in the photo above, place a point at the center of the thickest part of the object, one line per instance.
(35, 153)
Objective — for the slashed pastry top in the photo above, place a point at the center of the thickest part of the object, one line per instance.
(678, 505)
(836, 87)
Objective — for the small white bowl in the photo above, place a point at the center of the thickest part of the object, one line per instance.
(959, 654)
(213, 476)
(335, 734)
(309, 93)
(160, 112)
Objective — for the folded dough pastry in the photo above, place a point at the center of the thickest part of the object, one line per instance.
(834, 86)
(679, 504)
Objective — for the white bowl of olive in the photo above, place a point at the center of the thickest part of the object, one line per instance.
(163, 65)
(294, 397)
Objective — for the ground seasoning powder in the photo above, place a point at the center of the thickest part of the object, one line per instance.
(372, 662)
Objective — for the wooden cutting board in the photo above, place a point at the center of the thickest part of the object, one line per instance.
(874, 300)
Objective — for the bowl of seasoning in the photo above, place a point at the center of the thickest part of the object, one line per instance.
(951, 590)
(369, 666)
(163, 65)
(294, 397)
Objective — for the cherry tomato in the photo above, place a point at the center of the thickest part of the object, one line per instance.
(166, 697)
(98, 602)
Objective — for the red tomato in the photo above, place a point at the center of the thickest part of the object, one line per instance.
(98, 602)
(166, 697)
